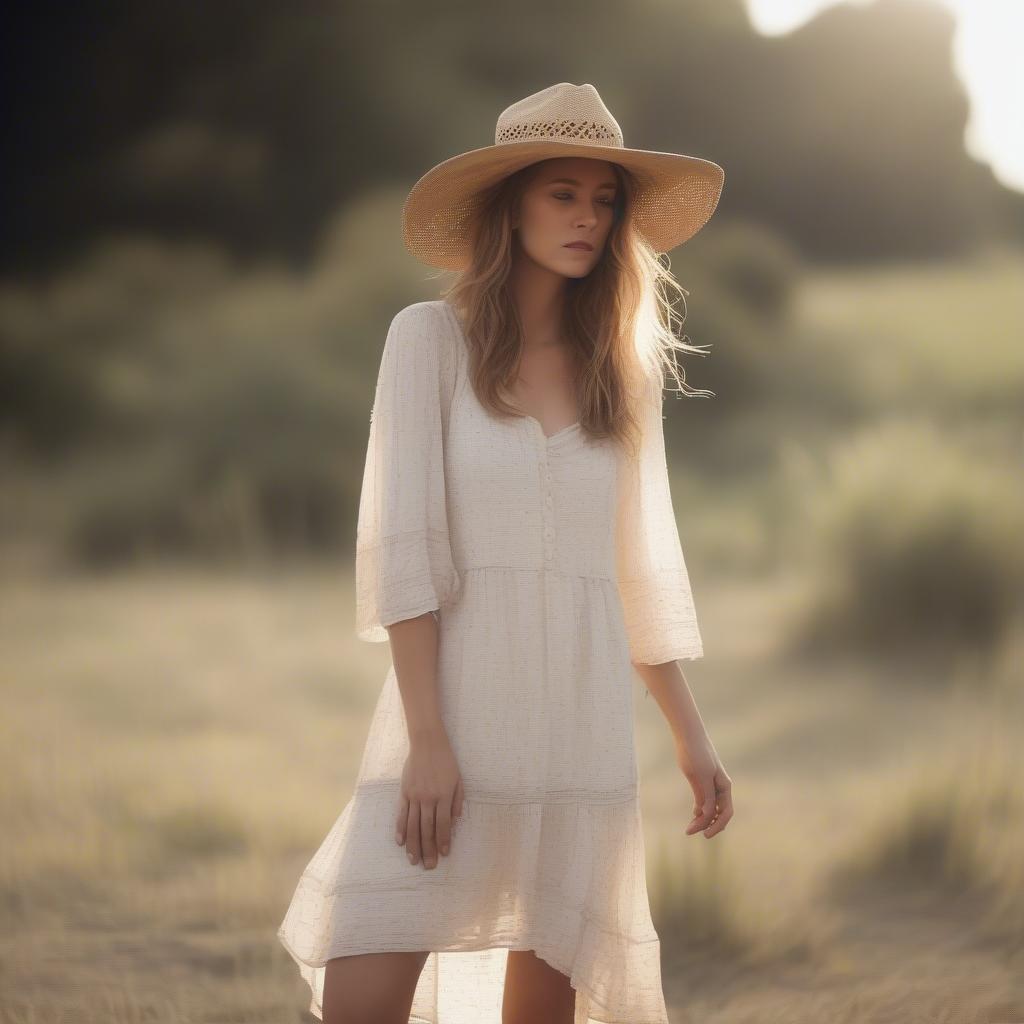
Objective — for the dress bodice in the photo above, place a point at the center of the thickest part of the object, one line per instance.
(538, 502)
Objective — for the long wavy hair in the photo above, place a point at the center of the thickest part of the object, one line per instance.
(618, 320)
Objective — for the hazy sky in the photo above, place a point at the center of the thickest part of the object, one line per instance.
(988, 60)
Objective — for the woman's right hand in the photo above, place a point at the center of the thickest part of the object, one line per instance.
(432, 796)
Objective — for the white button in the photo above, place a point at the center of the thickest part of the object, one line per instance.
(548, 534)
(547, 476)
(547, 500)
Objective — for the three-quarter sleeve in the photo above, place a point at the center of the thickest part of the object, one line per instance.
(653, 582)
(403, 561)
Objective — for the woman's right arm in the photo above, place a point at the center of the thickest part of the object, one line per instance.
(404, 564)
(432, 791)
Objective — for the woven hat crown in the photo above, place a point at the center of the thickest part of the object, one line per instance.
(566, 112)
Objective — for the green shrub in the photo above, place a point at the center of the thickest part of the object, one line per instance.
(248, 460)
(755, 266)
(915, 546)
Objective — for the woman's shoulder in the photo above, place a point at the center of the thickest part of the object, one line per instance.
(428, 330)
(428, 321)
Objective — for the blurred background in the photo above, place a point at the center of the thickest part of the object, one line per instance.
(201, 255)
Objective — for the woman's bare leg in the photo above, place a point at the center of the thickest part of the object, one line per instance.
(535, 991)
(371, 988)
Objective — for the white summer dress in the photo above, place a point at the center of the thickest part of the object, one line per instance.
(551, 563)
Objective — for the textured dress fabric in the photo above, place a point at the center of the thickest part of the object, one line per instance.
(551, 563)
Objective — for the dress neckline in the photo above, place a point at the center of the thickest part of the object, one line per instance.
(540, 430)
(531, 421)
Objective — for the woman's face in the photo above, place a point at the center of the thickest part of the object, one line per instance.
(568, 200)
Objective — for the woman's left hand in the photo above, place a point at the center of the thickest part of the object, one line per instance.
(711, 785)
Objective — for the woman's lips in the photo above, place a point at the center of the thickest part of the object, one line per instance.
(582, 246)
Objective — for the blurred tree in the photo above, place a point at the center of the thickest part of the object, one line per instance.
(251, 122)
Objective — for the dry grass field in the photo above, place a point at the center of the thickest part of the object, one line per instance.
(176, 743)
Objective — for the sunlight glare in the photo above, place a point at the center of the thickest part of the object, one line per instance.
(986, 59)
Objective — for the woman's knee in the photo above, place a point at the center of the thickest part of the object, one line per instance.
(371, 988)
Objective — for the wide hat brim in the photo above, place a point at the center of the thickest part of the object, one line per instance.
(676, 197)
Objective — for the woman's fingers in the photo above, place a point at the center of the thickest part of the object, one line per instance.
(713, 813)
(724, 811)
(704, 806)
(427, 827)
(443, 822)
(705, 812)
(429, 840)
(403, 819)
(413, 833)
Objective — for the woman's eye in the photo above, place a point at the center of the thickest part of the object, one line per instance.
(607, 202)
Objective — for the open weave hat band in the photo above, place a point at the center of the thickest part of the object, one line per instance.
(565, 129)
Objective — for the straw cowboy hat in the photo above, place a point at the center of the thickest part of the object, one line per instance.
(677, 194)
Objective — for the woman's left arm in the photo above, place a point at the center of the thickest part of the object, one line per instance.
(659, 612)
(695, 753)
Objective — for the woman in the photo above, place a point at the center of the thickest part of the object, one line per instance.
(517, 547)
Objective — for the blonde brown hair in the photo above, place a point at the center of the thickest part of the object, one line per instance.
(618, 320)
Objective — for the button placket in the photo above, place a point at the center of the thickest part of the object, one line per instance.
(549, 518)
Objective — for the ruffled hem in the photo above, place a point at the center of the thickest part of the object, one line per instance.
(564, 879)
